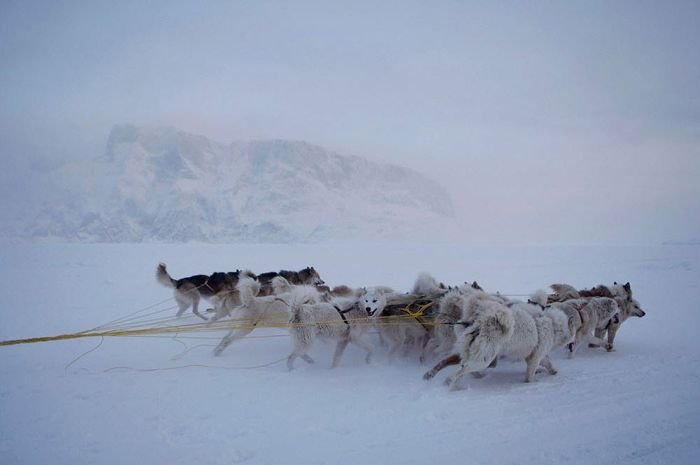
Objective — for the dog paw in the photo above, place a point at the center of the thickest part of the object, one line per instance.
(609, 348)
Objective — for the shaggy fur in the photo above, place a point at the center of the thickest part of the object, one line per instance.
(628, 307)
(400, 328)
(395, 325)
(227, 302)
(587, 315)
(489, 329)
(189, 291)
(482, 333)
(449, 312)
(342, 291)
(621, 293)
(343, 321)
(533, 338)
(254, 310)
(427, 285)
(305, 277)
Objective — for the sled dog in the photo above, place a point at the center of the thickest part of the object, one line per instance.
(254, 310)
(341, 320)
(188, 291)
(621, 293)
(305, 277)
(489, 329)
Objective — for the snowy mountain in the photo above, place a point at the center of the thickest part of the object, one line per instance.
(168, 185)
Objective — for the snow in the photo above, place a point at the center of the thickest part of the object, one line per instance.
(637, 405)
(163, 184)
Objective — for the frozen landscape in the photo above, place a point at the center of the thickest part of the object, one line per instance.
(168, 400)
(518, 144)
(165, 184)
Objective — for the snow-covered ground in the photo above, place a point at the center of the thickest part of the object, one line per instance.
(640, 404)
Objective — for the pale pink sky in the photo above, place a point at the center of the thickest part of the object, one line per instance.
(544, 120)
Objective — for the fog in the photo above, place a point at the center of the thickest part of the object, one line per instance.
(548, 123)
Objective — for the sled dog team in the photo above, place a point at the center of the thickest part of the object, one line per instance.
(461, 325)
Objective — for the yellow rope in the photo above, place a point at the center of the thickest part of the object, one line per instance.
(132, 325)
(421, 309)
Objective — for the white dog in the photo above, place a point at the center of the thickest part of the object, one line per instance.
(342, 320)
(402, 320)
(622, 293)
(253, 310)
(586, 316)
(489, 329)
(450, 309)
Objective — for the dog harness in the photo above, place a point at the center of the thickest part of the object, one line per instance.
(578, 309)
(343, 312)
(418, 314)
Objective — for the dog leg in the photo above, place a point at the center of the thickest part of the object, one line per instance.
(479, 374)
(339, 349)
(453, 381)
(532, 363)
(599, 334)
(573, 346)
(293, 356)
(429, 349)
(394, 349)
(453, 359)
(612, 331)
(547, 363)
(362, 343)
(233, 335)
(446, 345)
(220, 311)
(195, 309)
(597, 342)
(182, 305)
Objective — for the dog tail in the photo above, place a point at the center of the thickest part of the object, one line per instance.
(280, 285)
(248, 289)
(163, 277)
(426, 284)
(503, 322)
(539, 297)
(564, 292)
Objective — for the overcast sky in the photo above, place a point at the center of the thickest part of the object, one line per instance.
(549, 122)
